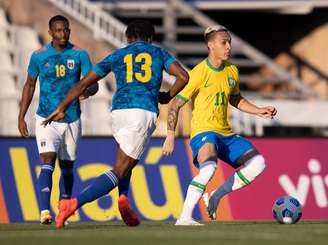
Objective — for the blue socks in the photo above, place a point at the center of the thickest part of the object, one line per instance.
(100, 187)
(124, 185)
(45, 186)
(66, 182)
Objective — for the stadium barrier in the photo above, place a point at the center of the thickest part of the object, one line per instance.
(295, 166)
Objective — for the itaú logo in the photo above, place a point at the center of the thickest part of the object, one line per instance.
(141, 189)
(315, 180)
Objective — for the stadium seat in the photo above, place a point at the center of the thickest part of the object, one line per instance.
(90, 112)
(28, 38)
(9, 88)
(96, 112)
(4, 39)
(6, 63)
(3, 19)
(27, 41)
(8, 106)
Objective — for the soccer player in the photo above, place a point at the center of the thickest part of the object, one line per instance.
(138, 71)
(59, 66)
(214, 83)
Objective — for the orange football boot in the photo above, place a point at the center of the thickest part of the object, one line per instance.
(67, 208)
(128, 215)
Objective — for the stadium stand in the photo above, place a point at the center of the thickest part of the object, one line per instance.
(9, 90)
(180, 25)
(17, 43)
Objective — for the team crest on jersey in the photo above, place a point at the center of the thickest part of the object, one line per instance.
(70, 64)
(231, 82)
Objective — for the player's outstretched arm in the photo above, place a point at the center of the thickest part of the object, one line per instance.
(244, 105)
(182, 77)
(27, 96)
(172, 120)
(74, 93)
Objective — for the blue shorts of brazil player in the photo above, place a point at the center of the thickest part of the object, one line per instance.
(229, 148)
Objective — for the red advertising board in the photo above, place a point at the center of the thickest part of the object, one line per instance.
(296, 167)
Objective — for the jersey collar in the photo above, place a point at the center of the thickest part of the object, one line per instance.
(213, 67)
(51, 47)
(138, 42)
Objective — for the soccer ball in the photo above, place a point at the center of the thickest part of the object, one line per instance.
(287, 210)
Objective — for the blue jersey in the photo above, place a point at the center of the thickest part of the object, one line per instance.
(58, 72)
(138, 70)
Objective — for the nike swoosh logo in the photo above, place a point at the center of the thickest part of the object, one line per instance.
(207, 85)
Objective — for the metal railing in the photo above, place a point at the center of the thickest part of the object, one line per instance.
(112, 30)
(103, 25)
(245, 48)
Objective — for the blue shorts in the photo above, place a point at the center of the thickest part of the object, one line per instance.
(229, 148)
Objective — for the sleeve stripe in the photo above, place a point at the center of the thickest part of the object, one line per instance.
(183, 98)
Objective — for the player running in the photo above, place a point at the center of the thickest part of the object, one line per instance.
(213, 84)
(138, 71)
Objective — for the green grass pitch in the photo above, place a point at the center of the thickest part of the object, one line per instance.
(156, 233)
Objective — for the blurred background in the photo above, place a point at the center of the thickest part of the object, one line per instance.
(280, 48)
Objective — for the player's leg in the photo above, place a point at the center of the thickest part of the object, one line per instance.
(67, 156)
(207, 159)
(251, 163)
(47, 160)
(133, 138)
(48, 142)
(123, 200)
(104, 183)
(66, 180)
(124, 185)
(129, 217)
(101, 186)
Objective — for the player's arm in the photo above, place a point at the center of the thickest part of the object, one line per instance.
(86, 67)
(172, 120)
(244, 105)
(27, 96)
(182, 77)
(91, 78)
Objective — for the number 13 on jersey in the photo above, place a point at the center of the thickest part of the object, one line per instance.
(146, 61)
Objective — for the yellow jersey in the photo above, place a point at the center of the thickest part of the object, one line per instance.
(209, 89)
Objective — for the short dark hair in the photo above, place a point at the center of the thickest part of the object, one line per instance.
(57, 18)
(140, 29)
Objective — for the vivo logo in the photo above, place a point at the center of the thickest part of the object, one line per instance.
(315, 181)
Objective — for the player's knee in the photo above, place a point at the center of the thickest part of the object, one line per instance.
(48, 158)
